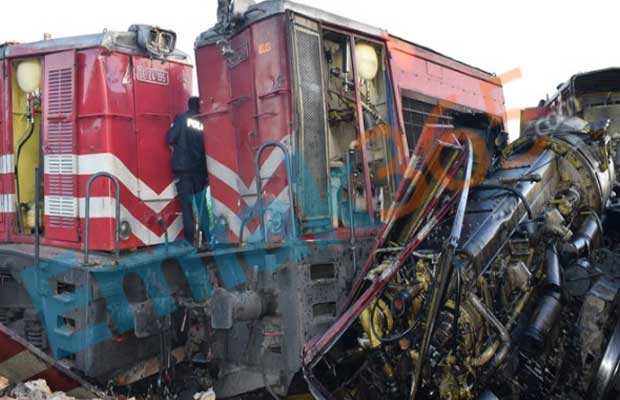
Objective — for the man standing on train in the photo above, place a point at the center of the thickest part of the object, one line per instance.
(189, 165)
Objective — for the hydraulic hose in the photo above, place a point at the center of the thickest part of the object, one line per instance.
(22, 142)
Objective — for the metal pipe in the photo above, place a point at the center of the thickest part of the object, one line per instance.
(550, 307)
(504, 335)
(582, 241)
(117, 219)
(350, 194)
(352, 239)
(23, 140)
(490, 351)
(37, 222)
(259, 187)
(553, 279)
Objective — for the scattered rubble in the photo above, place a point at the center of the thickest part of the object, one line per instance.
(34, 390)
(210, 395)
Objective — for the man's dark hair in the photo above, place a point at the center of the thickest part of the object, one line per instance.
(194, 104)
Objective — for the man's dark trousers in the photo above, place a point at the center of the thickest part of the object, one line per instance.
(191, 188)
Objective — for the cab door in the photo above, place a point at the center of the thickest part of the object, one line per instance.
(60, 147)
(4, 165)
(152, 94)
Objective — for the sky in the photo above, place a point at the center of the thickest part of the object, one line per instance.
(546, 40)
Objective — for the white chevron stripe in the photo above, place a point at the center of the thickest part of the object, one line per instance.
(90, 164)
(7, 165)
(230, 177)
(104, 207)
(233, 220)
(7, 203)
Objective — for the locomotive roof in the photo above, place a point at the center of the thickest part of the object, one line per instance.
(268, 8)
(607, 79)
(122, 42)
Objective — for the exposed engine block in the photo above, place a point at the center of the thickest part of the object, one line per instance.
(514, 298)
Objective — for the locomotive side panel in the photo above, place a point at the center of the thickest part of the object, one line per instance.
(431, 74)
(245, 102)
(107, 141)
(126, 106)
(428, 83)
(219, 134)
(273, 109)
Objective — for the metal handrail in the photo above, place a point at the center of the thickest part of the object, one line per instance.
(117, 219)
(259, 187)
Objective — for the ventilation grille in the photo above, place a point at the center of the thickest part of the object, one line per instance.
(418, 114)
(61, 164)
(60, 91)
(60, 203)
(61, 209)
(60, 137)
(61, 206)
(313, 173)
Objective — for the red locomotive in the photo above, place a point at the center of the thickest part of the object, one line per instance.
(321, 85)
(310, 120)
(79, 106)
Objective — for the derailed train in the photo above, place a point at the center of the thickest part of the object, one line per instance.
(514, 295)
(375, 235)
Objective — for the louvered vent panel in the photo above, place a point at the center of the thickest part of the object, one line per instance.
(60, 91)
(60, 137)
(61, 205)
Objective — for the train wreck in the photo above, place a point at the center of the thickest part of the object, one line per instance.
(374, 233)
(509, 294)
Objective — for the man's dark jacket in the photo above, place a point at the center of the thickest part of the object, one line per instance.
(186, 137)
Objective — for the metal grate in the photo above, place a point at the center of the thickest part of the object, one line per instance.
(417, 114)
(61, 206)
(61, 164)
(313, 173)
(60, 137)
(60, 91)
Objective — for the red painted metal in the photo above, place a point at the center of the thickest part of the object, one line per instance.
(247, 101)
(60, 146)
(4, 177)
(115, 121)
(244, 104)
(423, 71)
